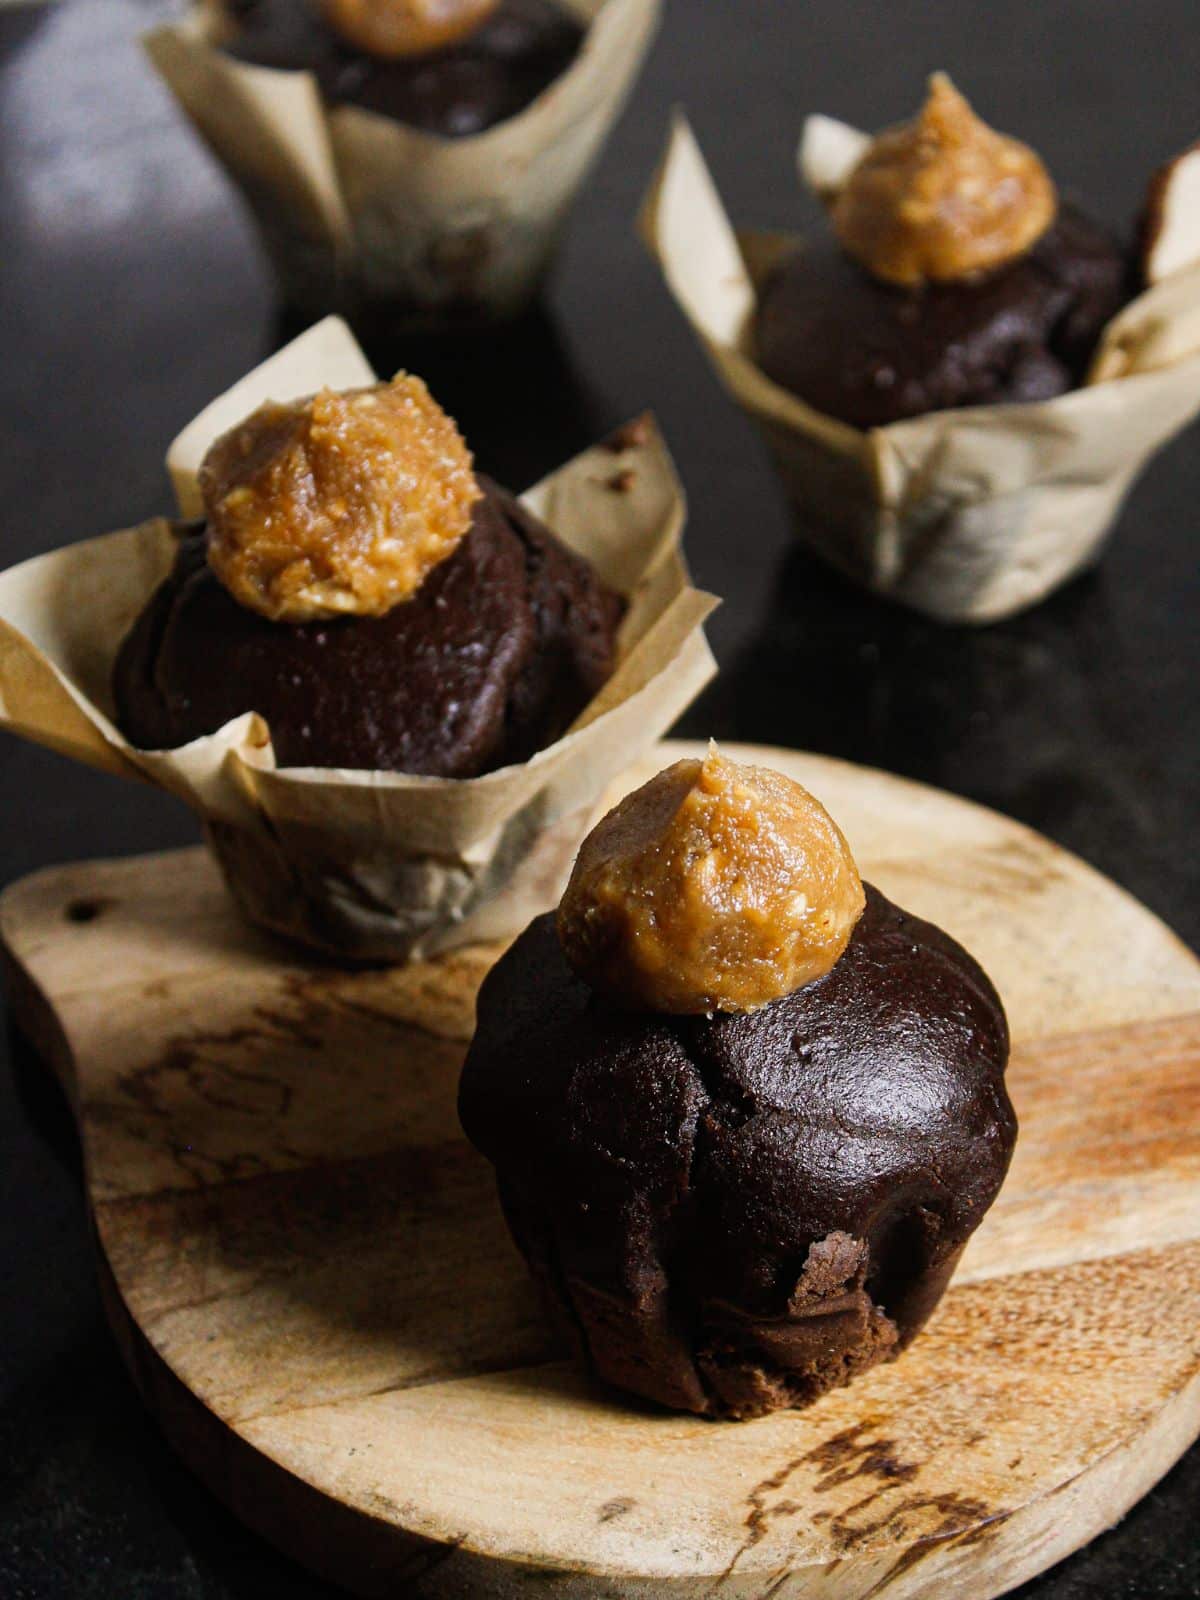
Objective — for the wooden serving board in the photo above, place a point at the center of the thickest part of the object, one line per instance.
(308, 1272)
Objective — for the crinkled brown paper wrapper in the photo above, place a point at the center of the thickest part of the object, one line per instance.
(371, 865)
(968, 515)
(359, 212)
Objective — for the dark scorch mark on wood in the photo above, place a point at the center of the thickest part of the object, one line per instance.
(858, 1453)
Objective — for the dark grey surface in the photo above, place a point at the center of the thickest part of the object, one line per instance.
(131, 290)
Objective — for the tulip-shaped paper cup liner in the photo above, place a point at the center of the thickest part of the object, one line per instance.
(365, 215)
(968, 515)
(372, 866)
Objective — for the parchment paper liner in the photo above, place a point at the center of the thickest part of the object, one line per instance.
(371, 865)
(361, 213)
(968, 515)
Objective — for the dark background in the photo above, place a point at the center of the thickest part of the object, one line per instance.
(132, 290)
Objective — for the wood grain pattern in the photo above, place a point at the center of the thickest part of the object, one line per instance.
(308, 1272)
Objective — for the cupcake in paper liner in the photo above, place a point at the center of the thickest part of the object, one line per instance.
(408, 161)
(954, 381)
(393, 692)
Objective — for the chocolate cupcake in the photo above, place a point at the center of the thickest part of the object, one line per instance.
(452, 78)
(411, 163)
(403, 693)
(955, 388)
(954, 278)
(375, 602)
(744, 1112)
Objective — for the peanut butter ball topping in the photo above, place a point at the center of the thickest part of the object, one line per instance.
(392, 29)
(943, 197)
(714, 887)
(339, 505)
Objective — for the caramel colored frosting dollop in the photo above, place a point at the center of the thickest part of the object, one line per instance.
(393, 29)
(339, 505)
(943, 197)
(714, 887)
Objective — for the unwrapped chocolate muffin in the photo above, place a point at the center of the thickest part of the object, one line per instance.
(744, 1112)
(953, 277)
(377, 603)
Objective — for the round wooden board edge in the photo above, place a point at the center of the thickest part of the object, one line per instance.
(376, 1555)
